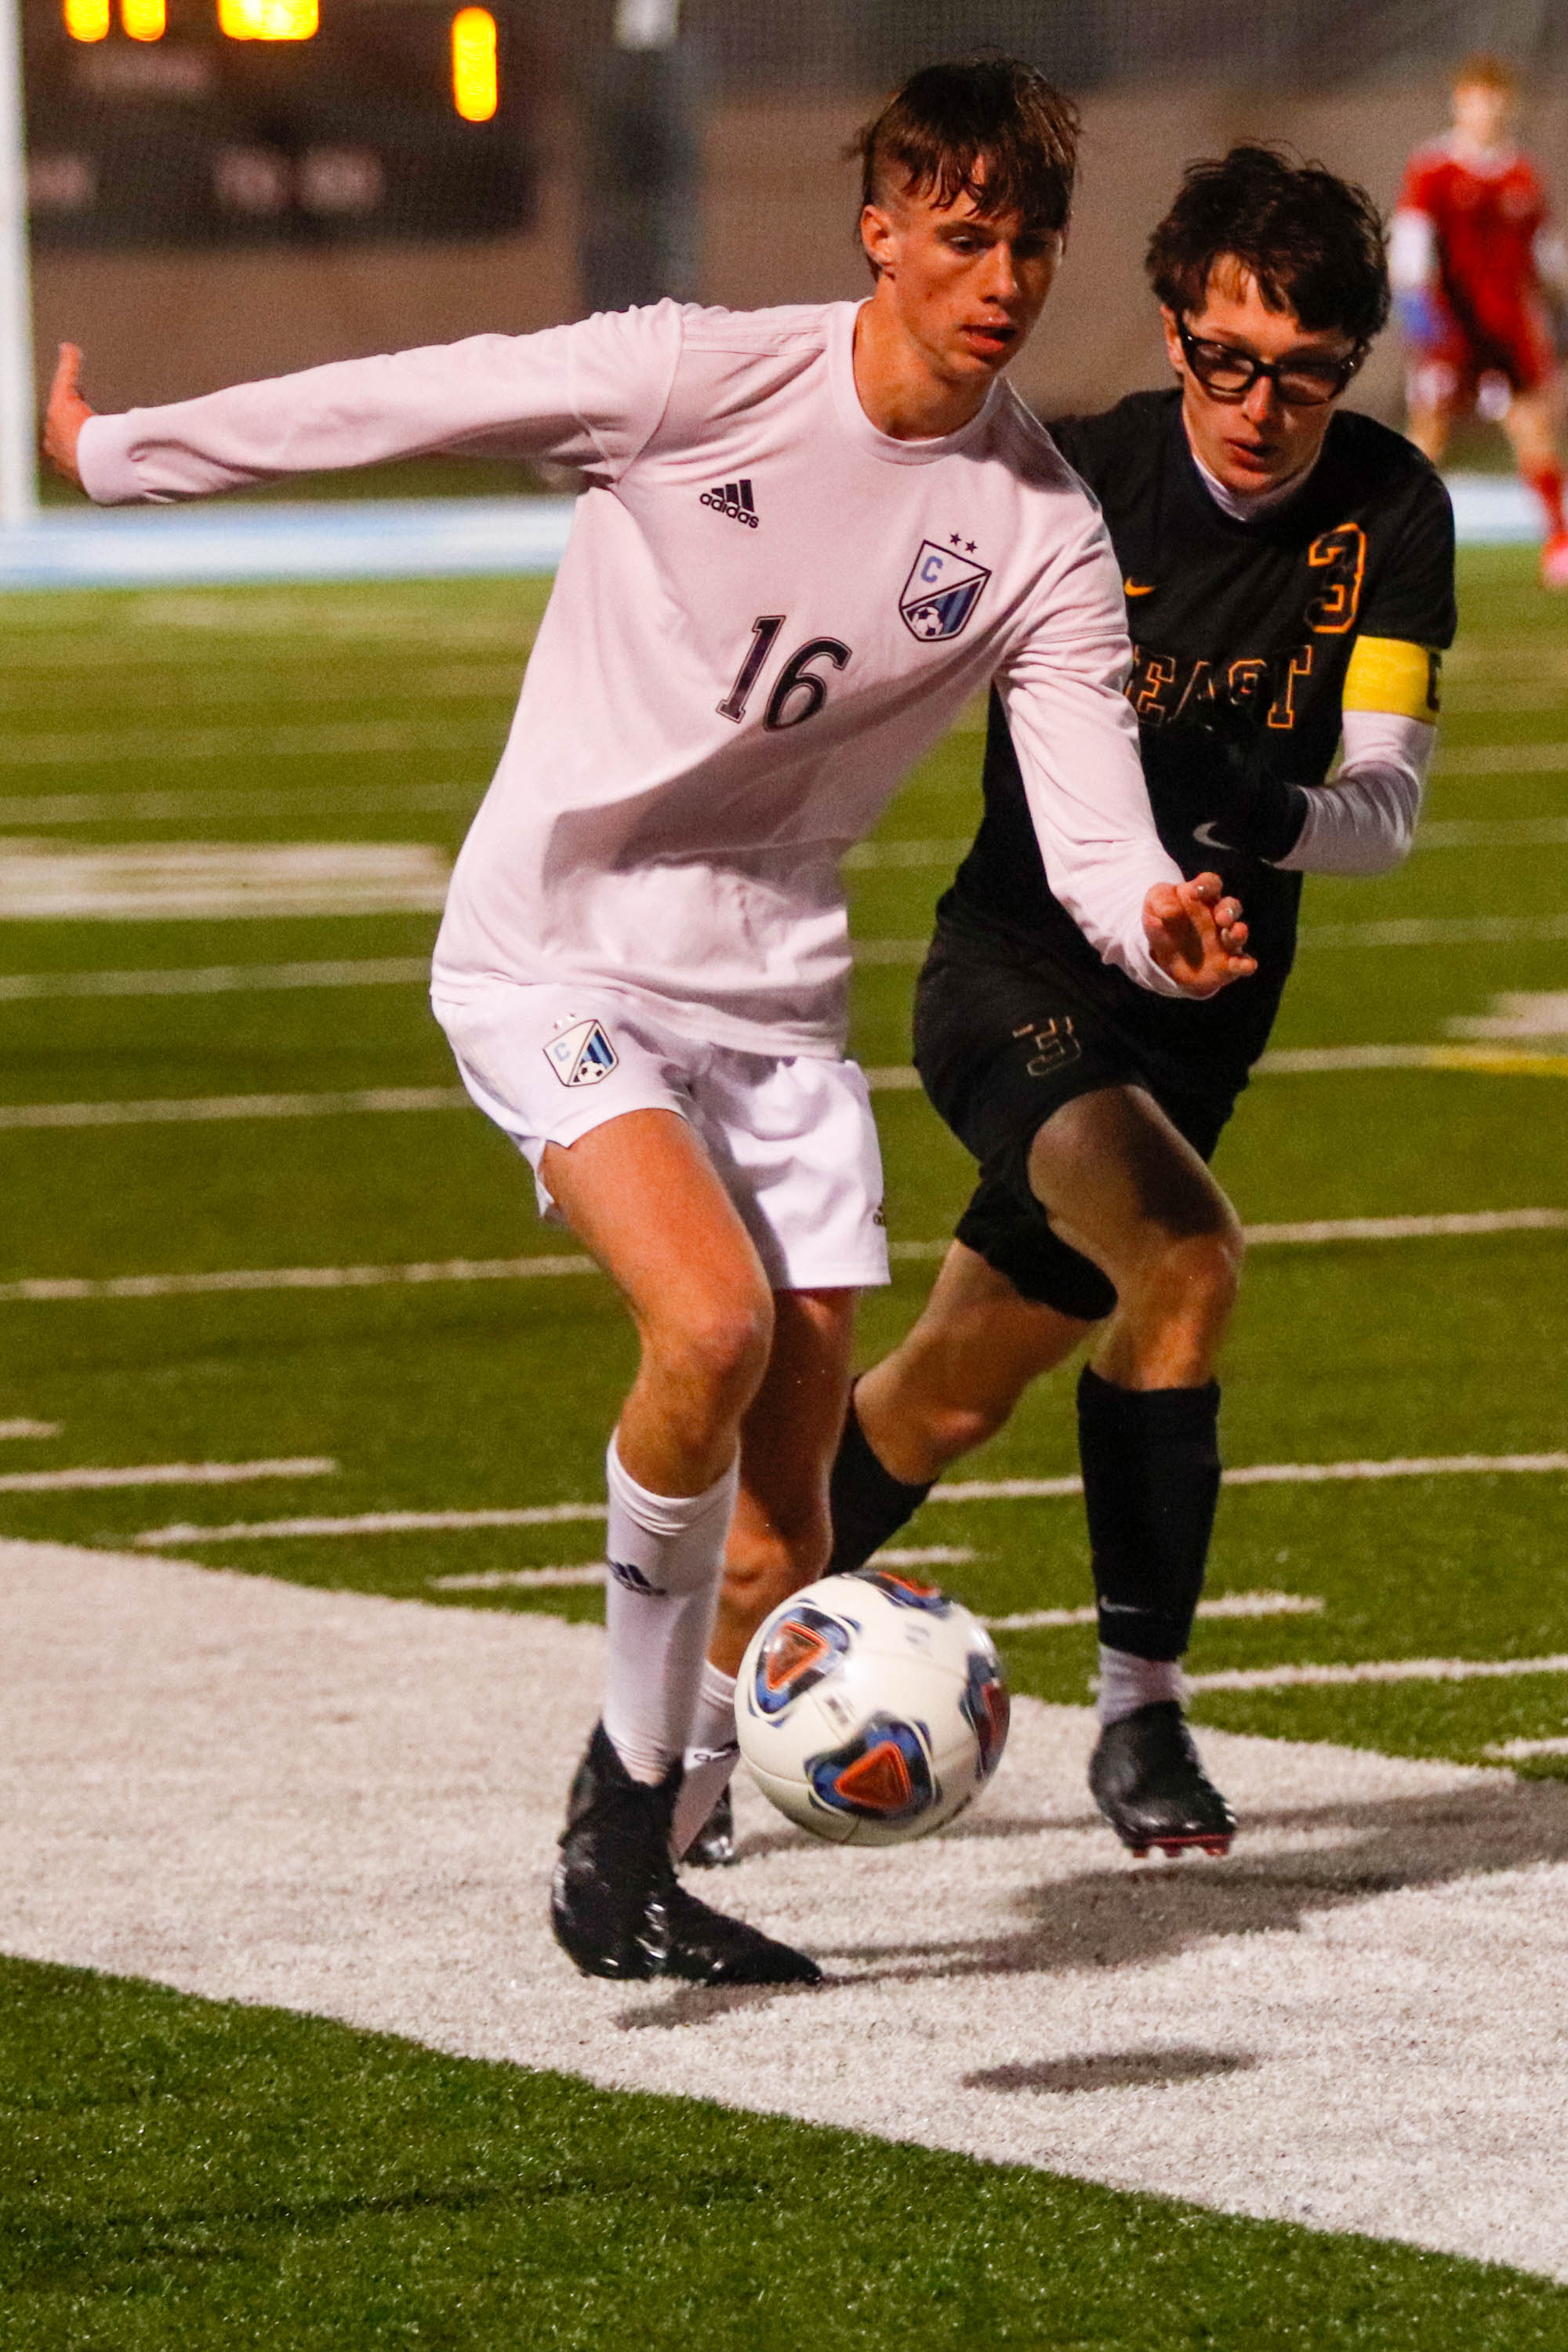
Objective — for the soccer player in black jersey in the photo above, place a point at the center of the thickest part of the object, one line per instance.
(1289, 580)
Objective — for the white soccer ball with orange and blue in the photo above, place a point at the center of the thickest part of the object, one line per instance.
(871, 1709)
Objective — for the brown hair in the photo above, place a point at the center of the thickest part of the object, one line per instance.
(1313, 242)
(992, 129)
(1486, 70)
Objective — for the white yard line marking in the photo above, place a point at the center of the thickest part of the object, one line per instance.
(521, 1579)
(199, 1107)
(1496, 1061)
(1376, 1670)
(1494, 831)
(1274, 1474)
(1374, 1964)
(217, 980)
(595, 1571)
(1515, 1751)
(1493, 1060)
(1518, 1013)
(373, 1523)
(1223, 1604)
(167, 1474)
(44, 1288)
(976, 1490)
(30, 1428)
(186, 881)
(238, 806)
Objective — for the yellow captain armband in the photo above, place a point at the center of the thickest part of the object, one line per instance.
(1390, 674)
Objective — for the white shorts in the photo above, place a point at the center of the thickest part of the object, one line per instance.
(793, 1141)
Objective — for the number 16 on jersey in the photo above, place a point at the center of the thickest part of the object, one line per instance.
(799, 690)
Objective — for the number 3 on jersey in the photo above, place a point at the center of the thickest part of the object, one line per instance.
(799, 690)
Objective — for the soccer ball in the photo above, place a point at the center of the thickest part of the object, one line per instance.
(871, 1709)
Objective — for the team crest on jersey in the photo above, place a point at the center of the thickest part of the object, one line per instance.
(581, 1055)
(941, 591)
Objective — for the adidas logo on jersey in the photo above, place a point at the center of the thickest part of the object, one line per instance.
(734, 500)
(631, 1578)
(583, 1055)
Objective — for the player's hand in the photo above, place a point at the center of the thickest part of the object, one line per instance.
(1196, 933)
(66, 414)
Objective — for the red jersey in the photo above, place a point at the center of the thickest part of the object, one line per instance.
(1485, 217)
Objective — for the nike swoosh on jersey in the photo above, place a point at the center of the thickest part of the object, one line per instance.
(1138, 588)
(1206, 834)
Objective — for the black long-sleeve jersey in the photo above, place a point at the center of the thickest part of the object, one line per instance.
(1241, 628)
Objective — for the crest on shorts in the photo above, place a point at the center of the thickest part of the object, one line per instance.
(941, 591)
(581, 1055)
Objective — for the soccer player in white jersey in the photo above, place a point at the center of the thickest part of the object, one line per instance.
(807, 537)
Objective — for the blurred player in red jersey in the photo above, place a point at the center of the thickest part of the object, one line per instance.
(1474, 258)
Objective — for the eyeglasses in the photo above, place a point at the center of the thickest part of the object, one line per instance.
(1229, 374)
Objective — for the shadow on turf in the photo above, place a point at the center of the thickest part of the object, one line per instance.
(1112, 2070)
(1122, 1915)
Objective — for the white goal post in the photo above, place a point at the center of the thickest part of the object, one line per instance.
(18, 465)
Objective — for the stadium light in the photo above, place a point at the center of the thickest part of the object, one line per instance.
(269, 20)
(86, 20)
(476, 88)
(144, 20)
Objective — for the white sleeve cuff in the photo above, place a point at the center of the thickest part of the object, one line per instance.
(104, 462)
(1365, 821)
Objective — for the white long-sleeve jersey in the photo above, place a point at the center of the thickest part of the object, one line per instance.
(768, 610)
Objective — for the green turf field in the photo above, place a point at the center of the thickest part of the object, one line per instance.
(181, 2172)
(187, 2174)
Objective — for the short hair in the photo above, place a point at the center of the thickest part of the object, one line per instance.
(992, 129)
(1483, 69)
(1315, 243)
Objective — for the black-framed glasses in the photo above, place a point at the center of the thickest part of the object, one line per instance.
(1227, 373)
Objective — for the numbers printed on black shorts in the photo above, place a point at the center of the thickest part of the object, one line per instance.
(801, 687)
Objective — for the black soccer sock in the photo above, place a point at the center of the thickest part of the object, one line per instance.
(1151, 1481)
(868, 1503)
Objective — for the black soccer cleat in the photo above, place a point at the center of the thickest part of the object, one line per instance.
(705, 1947)
(1146, 1778)
(714, 1847)
(613, 1865)
(617, 1906)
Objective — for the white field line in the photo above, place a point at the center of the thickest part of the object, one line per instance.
(1276, 1474)
(217, 980)
(374, 1523)
(1400, 932)
(978, 1490)
(521, 1579)
(1376, 1670)
(1225, 1604)
(1440, 833)
(330, 740)
(188, 880)
(29, 1428)
(1497, 1061)
(201, 1107)
(42, 1290)
(1515, 1751)
(180, 807)
(166, 1473)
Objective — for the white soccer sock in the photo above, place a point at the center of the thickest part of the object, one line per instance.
(666, 1552)
(1127, 1683)
(711, 1756)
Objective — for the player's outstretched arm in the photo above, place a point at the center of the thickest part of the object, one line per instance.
(66, 414)
(1196, 934)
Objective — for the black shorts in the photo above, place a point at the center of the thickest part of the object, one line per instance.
(1001, 1041)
